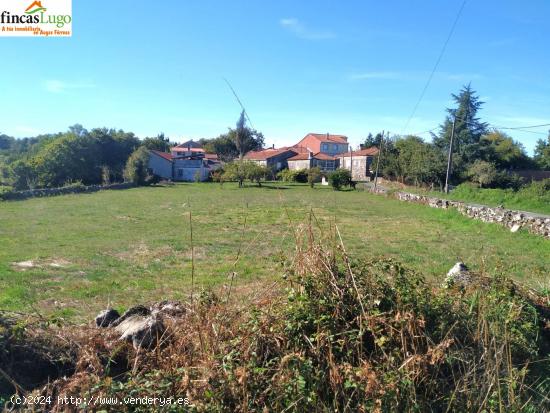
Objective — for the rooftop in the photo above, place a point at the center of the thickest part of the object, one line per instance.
(372, 151)
(304, 156)
(326, 137)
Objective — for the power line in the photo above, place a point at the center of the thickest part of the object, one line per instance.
(518, 128)
(436, 64)
(529, 127)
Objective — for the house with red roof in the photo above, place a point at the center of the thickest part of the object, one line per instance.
(275, 159)
(306, 160)
(325, 143)
(359, 163)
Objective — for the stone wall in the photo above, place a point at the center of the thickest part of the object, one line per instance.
(33, 193)
(514, 220)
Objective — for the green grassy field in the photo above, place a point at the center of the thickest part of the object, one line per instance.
(72, 255)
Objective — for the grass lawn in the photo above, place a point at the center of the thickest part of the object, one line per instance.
(133, 246)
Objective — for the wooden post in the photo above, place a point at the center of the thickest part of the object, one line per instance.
(378, 161)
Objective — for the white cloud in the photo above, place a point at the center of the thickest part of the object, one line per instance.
(58, 86)
(299, 29)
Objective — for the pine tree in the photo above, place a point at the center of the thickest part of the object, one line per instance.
(468, 130)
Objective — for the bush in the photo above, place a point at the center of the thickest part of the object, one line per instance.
(339, 178)
(313, 176)
(293, 175)
(482, 172)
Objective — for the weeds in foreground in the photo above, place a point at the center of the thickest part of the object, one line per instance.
(342, 335)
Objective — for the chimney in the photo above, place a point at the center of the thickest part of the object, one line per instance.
(327, 136)
(309, 155)
(273, 146)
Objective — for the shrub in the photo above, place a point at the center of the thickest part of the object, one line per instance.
(482, 172)
(313, 176)
(339, 178)
(294, 175)
(136, 170)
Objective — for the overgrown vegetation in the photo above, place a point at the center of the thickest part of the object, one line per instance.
(340, 335)
(534, 197)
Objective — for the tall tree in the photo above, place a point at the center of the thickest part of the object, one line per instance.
(239, 135)
(235, 143)
(542, 153)
(468, 130)
(160, 143)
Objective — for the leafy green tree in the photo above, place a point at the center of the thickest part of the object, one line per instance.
(78, 130)
(6, 142)
(256, 173)
(68, 158)
(542, 153)
(371, 141)
(136, 170)
(482, 172)
(225, 145)
(468, 131)
(113, 149)
(235, 171)
(421, 162)
(24, 175)
(504, 152)
(313, 175)
(159, 143)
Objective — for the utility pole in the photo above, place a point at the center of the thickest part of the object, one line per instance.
(351, 160)
(378, 160)
(450, 158)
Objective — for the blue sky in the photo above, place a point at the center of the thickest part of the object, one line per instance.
(299, 66)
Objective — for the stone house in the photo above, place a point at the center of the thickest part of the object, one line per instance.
(359, 163)
(306, 160)
(275, 159)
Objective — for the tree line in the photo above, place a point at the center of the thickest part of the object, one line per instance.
(102, 155)
(483, 155)
(480, 154)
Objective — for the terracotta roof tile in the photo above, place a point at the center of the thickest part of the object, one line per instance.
(164, 155)
(266, 154)
(372, 151)
(323, 137)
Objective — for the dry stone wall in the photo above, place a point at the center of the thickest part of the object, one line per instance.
(514, 220)
(35, 193)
